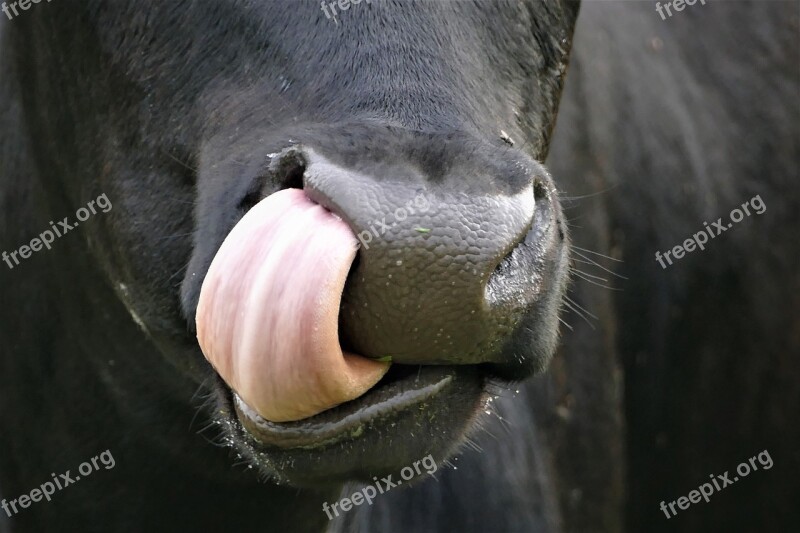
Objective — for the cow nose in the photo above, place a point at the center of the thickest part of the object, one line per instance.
(427, 285)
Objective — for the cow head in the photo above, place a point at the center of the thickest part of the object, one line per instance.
(350, 212)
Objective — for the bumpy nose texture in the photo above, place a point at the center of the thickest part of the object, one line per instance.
(418, 291)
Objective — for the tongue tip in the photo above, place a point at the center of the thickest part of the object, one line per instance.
(363, 373)
(360, 375)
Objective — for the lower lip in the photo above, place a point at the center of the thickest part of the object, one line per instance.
(347, 421)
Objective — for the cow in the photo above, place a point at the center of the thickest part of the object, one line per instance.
(308, 248)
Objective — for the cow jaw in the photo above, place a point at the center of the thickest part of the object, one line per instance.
(267, 318)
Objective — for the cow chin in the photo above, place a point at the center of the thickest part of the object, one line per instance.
(407, 416)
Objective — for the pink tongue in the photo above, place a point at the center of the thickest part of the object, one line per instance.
(267, 319)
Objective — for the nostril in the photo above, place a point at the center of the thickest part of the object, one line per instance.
(505, 285)
(289, 169)
(539, 190)
(286, 170)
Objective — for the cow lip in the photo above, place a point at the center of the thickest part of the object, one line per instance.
(405, 388)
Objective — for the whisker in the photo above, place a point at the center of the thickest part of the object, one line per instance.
(579, 313)
(201, 390)
(598, 193)
(597, 253)
(579, 306)
(589, 260)
(472, 444)
(563, 322)
(501, 390)
(175, 236)
(598, 284)
(589, 275)
(181, 270)
(183, 164)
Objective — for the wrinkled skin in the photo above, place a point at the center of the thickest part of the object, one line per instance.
(174, 113)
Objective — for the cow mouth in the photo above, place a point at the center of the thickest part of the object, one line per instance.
(268, 319)
(405, 390)
(296, 401)
(413, 412)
